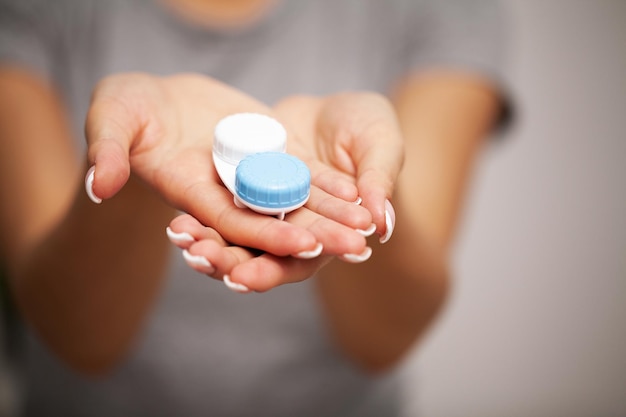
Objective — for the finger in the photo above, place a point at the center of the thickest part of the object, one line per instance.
(336, 238)
(267, 271)
(332, 181)
(375, 191)
(184, 230)
(111, 125)
(109, 169)
(339, 210)
(214, 258)
(375, 181)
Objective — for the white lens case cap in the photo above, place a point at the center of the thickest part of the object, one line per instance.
(242, 134)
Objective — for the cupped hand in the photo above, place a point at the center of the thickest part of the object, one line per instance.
(356, 133)
(161, 130)
(354, 136)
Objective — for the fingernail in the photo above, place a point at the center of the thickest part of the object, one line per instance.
(182, 237)
(390, 222)
(358, 201)
(89, 185)
(240, 288)
(198, 261)
(357, 258)
(311, 253)
(367, 232)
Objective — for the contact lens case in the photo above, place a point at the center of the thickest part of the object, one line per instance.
(249, 154)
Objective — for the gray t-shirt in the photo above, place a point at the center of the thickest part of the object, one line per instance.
(204, 350)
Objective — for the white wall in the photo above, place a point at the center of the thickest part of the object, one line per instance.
(537, 325)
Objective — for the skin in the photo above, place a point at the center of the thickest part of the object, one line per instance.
(54, 237)
(221, 13)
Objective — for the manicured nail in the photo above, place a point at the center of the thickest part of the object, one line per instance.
(176, 238)
(240, 288)
(390, 222)
(310, 254)
(357, 258)
(89, 185)
(367, 232)
(358, 201)
(198, 261)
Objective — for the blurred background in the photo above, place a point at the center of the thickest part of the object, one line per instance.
(537, 323)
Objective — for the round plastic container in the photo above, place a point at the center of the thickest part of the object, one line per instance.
(272, 182)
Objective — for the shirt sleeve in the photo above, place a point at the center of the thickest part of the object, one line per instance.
(472, 36)
(30, 35)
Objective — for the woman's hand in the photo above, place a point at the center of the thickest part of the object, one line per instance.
(356, 133)
(161, 130)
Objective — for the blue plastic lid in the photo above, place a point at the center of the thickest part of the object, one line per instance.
(273, 180)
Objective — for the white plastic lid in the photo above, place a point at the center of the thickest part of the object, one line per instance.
(242, 134)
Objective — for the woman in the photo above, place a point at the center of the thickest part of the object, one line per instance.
(96, 284)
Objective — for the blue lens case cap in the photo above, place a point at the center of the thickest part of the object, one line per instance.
(272, 181)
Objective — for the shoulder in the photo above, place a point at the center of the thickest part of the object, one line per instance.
(67, 14)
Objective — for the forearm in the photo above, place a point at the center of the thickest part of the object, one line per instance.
(87, 286)
(378, 310)
(82, 274)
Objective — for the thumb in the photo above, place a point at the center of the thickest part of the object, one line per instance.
(368, 135)
(377, 172)
(112, 124)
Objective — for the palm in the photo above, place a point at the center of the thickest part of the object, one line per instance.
(176, 116)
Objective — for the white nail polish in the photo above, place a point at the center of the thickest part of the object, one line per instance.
(389, 222)
(367, 232)
(182, 237)
(240, 288)
(311, 253)
(89, 185)
(196, 260)
(357, 258)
